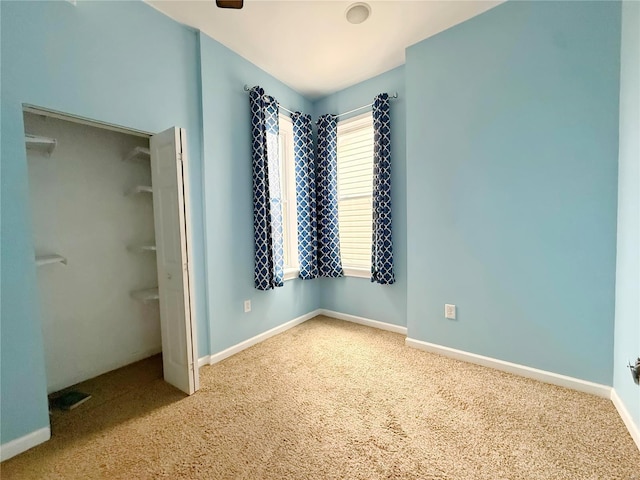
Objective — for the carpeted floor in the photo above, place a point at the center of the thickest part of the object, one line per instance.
(333, 400)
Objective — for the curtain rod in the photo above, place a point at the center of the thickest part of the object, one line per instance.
(395, 95)
(247, 88)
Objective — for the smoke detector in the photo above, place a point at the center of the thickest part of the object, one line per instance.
(357, 12)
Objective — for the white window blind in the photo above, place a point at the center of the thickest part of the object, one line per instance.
(288, 185)
(355, 187)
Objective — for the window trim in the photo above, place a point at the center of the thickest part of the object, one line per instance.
(291, 273)
(352, 123)
(356, 272)
(288, 188)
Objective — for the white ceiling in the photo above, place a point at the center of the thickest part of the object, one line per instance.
(310, 46)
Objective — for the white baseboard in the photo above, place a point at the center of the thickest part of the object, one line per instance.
(217, 357)
(634, 430)
(202, 361)
(22, 444)
(522, 370)
(585, 386)
(363, 321)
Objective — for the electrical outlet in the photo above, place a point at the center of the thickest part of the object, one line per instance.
(247, 306)
(449, 311)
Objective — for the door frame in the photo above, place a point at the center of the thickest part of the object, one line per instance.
(187, 202)
(186, 185)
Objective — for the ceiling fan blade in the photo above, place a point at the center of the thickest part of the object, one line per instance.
(237, 4)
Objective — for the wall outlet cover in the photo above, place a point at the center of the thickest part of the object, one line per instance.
(247, 306)
(449, 311)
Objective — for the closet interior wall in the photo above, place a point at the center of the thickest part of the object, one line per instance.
(94, 245)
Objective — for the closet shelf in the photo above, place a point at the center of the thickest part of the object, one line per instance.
(142, 247)
(139, 189)
(138, 154)
(146, 296)
(41, 144)
(47, 259)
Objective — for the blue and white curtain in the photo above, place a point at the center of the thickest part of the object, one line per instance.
(382, 244)
(267, 201)
(329, 262)
(305, 195)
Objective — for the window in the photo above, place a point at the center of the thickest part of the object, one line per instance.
(355, 190)
(288, 191)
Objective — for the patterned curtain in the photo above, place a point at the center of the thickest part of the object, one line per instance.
(305, 195)
(267, 202)
(329, 262)
(381, 245)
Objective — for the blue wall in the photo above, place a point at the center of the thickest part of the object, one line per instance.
(229, 201)
(358, 296)
(512, 126)
(627, 328)
(508, 175)
(121, 63)
(126, 64)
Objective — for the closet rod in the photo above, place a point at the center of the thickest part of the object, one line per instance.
(395, 95)
(247, 88)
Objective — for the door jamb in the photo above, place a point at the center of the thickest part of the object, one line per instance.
(187, 199)
(184, 161)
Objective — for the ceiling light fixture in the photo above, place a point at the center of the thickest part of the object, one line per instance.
(358, 12)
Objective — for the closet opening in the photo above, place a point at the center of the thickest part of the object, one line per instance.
(111, 233)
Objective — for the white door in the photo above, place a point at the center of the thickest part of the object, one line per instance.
(169, 177)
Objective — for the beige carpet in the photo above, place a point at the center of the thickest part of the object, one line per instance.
(333, 400)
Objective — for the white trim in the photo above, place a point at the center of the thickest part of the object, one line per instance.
(291, 273)
(597, 389)
(22, 444)
(217, 357)
(355, 122)
(634, 430)
(84, 121)
(364, 321)
(202, 361)
(288, 193)
(356, 272)
(186, 192)
(521, 370)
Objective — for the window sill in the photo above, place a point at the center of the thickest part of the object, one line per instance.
(291, 273)
(357, 272)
